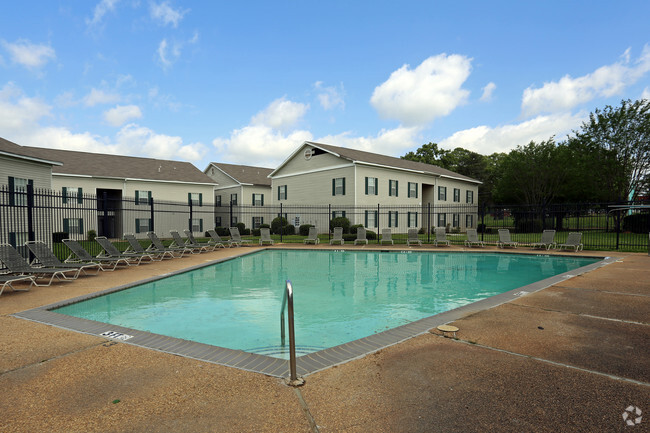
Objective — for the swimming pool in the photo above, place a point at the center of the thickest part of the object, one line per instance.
(339, 296)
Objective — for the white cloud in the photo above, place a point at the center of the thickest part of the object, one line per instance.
(646, 93)
(97, 97)
(32, 56)
(486, 140)
(147, 142)
(121, 114)
(170, 52)
(281, 114)
(392, 142)
(487, 91)
(101, 9)
(18, 112)
(165, 14)
(330, 97)
(418, 96)
(570, 92)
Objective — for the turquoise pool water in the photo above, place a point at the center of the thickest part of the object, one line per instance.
(338, 296)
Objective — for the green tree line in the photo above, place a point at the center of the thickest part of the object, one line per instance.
(606, 160)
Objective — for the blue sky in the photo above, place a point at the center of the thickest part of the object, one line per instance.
(248, 82)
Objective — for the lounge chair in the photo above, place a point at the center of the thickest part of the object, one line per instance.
(413, 237)
(215, 239)
(157, 246)
(136, 247)
(265, 236)
(386, 236)
(193, 243)
(80, 255)
(8, 280)
(504, 239)
(235, 238)
(312, 236)
(338, 236)
(17, 265)
(472, 239)
(574, 240)
(547, 241)
(178, 241)
(46, 258)
(361, 236)
(111, 251)
(441, 237)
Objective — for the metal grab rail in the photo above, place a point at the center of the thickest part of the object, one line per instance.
(287, 299)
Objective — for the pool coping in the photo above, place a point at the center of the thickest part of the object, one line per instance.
(308, 363)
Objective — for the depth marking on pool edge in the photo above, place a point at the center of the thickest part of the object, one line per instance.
(116, 335)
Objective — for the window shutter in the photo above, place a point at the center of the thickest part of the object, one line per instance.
(396, 188)
(389, 218)
(376, 187)
(11, 192)
(80, 196)
(366, 186)
(137, 196)
(416, 195)
(200, 199)
(253, 200)
(262, 199)
(81, 225)
(286, 192)
(278, 193)
(408, 218)
(343, 214)
(333, 186)
(201, 225)
(66, 225)
(262, 220)
(149, 198)
(189, 199)
(12, 239)
(376, 218)
(365, 223)
(137, 221)
(343, 186)
(416, 219)
(64, 194)
(396, 220)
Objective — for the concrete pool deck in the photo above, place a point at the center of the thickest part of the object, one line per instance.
(571, 357)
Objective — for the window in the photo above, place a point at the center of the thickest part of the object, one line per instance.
(217, 201)
(413, 190)
(371, 218)
(73, 226)
(392, 188)
(258, 199)
(371, 185)
(217, 221)
(470, 197)
(392, 219)
(142, 225)
(233, 199)
(456, 195)
(257, 222)
(233, 221)
(142, 197)
(18, 191)
(413, 219)
(338, 214)
(338, 186)
(196, 224)
(195, 198)
(469, 221)
(442, 193)
(72, 194)
(282, 192)
(456, 220)
(442, 220)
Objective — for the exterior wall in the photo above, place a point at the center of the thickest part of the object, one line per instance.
(220, 177)
(41, 174)
(298, 164)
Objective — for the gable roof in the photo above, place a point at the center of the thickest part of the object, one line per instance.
(119, 167)
(245, 174)
(14, 150)
(369, 158)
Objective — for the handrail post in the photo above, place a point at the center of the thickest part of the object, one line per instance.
(287, 299)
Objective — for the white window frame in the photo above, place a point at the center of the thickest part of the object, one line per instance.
(339, 186)
(456, 195)
(20, 191)
(258, 199)
(282, 192)
(469, 197)
(413, 190)
(196, 225)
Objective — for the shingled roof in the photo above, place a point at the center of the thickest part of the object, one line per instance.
(246, 174)
(117, 166)
(12, 149)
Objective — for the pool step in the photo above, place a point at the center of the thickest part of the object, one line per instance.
(283, 351)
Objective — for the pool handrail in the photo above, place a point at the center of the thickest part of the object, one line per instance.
(287, 301)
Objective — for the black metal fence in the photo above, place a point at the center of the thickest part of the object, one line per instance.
(49, 216)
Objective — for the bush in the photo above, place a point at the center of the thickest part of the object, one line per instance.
(91, 235)
(289, 230)
(304, 229)
(370, 235)
(257, 232)
(353, 229)
(241, 227)
(278, 224)
(422, 231)
(340, 222)
(265, 226)
(637, 223)
(222, 231)
(57, 237)
(245, 232)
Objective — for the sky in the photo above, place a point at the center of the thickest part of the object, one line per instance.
(247, 82)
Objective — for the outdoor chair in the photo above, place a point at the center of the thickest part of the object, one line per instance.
(46, 258)
(80, 255)
(215, 239)
(338, 236)
(312, 236)
(178, 241)
(8, 280)
(265, 236)
(111, 250)
(157, 246)
(472, 239)
(136, 247)
(504, 239)
(235, 238)
(193, 243)
(361, 236)
(386, 236)
(547, 241)
(441, 237)
(17, 265)
(574, 240)
(413, 237)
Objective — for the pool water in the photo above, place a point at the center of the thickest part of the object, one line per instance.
(339, 296)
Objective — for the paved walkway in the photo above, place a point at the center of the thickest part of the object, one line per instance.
(571, 357)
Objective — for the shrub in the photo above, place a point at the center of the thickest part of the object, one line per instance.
(637, 223)
(422, 231)
(57, 237)
(222, 231)
(257, 232)
(241, 227)
(340, 222)
(289, 230)
(265, 226)
(278, 224)
(370, 235)
(245, 232)
(353, 229)
(91, 235)
(304, 229)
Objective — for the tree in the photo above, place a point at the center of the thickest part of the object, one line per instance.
(428, 153)
(613, 150)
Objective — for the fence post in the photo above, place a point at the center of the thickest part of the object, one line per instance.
(152, 226)
(483, 221)
(30, 213)
(281, 226)
(230, 222)
(378, 223)
(329, 223)
(105, 219)
(429, 222)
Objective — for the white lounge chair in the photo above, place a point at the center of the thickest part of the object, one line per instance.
(547, 241)
(265, 236)
(386, 236)
(235, 238)
(413, 238)
(361, 236)
(312, 236)
(441, 237)
(504, 239)
(472, 239)
(338, 236)
(574, 240)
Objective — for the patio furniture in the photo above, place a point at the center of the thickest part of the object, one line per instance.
(17, 265)
(235, 238)
(265, 236)
(441, 237)
(413, 237)
(8, 280)
(136, 247)
(46, 258)
(547, 241)
(312, 236)
(111, 251)
(361, 236)
(157, 246)
(83, 256)
(191, 242)
(504, 239)
(574, 240)
(472, 239)
(215, 239)
(386, 236)
(338, 236)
